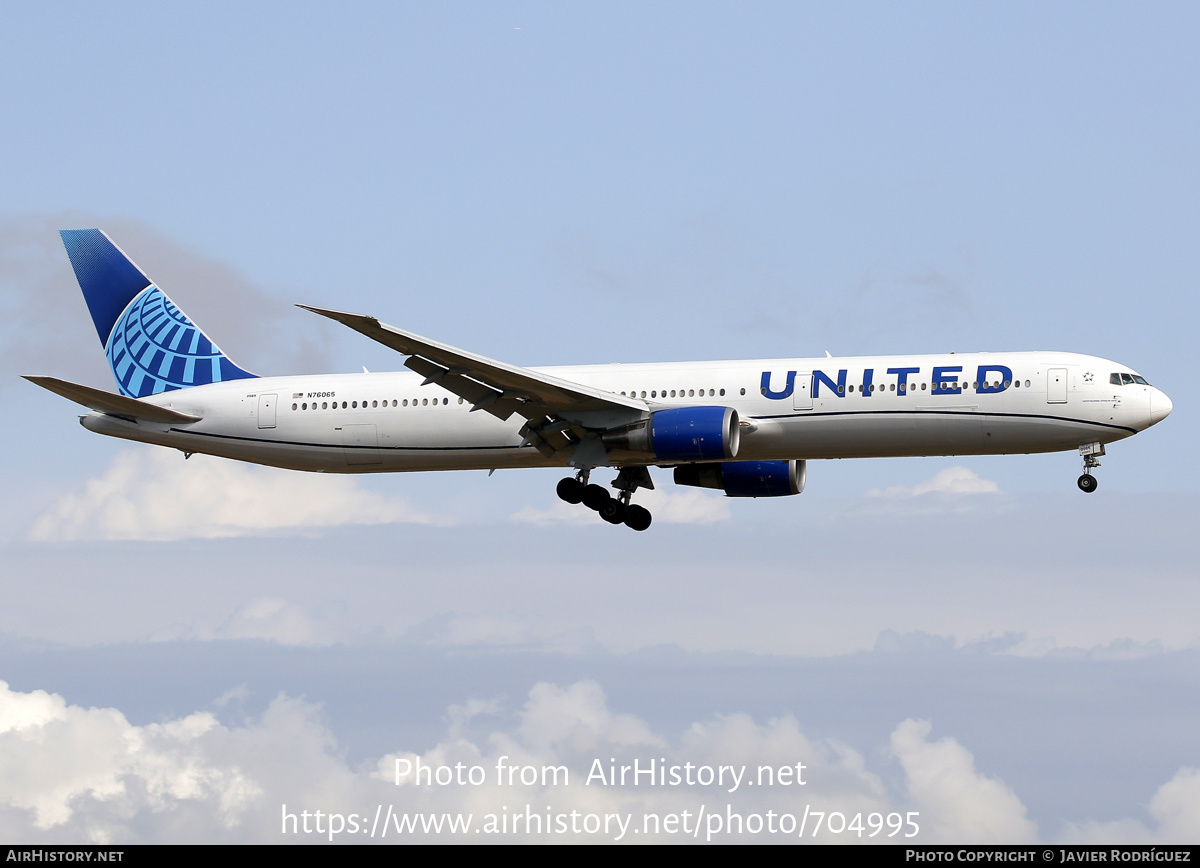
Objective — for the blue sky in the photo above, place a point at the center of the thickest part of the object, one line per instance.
(550, 184)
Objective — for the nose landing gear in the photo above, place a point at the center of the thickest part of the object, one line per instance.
(1091, 453)
(614, 510)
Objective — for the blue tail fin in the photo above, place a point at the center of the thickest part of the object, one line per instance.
(151, 345)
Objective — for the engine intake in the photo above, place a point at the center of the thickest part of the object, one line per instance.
(681, 434)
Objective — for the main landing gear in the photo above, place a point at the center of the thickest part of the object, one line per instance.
(1091, 453)
(614, 510)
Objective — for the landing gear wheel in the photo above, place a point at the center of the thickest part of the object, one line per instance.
(594, 497)
(613, 512)
(637, 517)
(1087, 483)
(570, 490)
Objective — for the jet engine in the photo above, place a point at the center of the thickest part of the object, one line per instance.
(746, 478)
(680, 434)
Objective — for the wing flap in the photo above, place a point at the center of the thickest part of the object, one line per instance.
(110, 404)
(480, 395)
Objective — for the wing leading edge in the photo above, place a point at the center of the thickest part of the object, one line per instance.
(558, 412)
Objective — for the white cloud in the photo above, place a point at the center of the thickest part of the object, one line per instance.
(271, 619)
(952, 480)
(578, 716)
(74, 773)
(690, 506)
(558, 513)
(496, 629)
(154, 494)
(957, 802)
(1175, 808)
(276, 620)
(1023, 645)
(56, 758)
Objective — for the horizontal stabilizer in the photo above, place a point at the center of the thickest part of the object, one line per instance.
(110, 404)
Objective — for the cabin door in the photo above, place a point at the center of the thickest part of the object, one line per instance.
(266, 410)
(802, 393)
(1056, 386)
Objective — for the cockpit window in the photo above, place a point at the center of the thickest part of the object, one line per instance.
(1114, 379)
(1140, 380)
(1127, 380)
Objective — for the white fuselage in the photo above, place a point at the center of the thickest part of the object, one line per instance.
(878, 406)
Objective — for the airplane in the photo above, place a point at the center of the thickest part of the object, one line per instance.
(747, 428)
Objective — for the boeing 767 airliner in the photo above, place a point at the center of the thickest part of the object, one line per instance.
(744, 427)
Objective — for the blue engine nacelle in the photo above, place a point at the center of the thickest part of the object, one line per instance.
(681, 434)
(746, 478)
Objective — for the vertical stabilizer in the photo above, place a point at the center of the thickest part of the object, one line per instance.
(151, 344)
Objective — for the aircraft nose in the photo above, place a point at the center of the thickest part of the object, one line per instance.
(1160, 406)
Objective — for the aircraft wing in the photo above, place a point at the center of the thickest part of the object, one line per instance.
(110, 404)
(496, 387)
